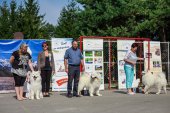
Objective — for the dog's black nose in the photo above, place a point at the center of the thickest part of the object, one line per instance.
(34, 77)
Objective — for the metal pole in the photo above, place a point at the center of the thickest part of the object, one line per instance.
(168, 63)
(81, 48)
(148, 55)
(109, 64)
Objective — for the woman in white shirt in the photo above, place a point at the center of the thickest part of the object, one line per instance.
(130, 62)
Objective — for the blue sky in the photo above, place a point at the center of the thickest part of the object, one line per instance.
(51, 8)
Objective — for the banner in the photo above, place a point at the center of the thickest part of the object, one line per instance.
(7, 47)
(155, 56)
(93, 57)
(122, 47)
(59, 46)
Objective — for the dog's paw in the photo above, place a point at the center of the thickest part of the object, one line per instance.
(31, 98)
(158, 93)
(38, 98)
(91, 95)
(146, 93)
(99, 94)
(80, 95)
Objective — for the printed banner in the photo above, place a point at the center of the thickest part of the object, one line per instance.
(122, 47)
(59, 83)
(155, 56)
(93, 57)
(59, 46)
(92, 44)
(7, 47)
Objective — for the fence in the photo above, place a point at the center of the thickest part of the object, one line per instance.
(111, 60)
(165, 57)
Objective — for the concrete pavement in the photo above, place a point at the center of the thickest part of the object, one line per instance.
(112, 101)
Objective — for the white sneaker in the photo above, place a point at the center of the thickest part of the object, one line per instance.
(131, 93)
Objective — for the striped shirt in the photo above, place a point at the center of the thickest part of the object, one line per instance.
(132, 57)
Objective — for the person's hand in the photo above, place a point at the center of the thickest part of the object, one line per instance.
(53, 72)
(83, 68)
(27, 78)
(141, 58)
(134, 63)
(66, 70)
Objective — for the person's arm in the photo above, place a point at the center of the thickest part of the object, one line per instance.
(66, 65)
(30, 65)
(66, 61)
(38, 62)
(126, 58)
(11, 59)
(140, 58)
(129, 61)
(52, 62)
(82, 63)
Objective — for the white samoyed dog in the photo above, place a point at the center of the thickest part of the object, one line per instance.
(35, 88)
(158, 80)
(91, 82)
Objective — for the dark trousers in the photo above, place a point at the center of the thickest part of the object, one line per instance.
(19, 80)
(73, 74)
(46, 76)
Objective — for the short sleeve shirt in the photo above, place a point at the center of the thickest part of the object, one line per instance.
(20, 63)
(74, 56)
(130, 56)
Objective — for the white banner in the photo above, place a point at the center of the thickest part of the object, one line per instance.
(155, 56)
(59, 83)
(122, 47)
(93, 57)
(59, 46)
(92, 44)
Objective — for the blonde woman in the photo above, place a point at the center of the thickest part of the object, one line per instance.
(20, 60)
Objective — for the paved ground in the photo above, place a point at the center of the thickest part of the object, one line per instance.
(111, 102)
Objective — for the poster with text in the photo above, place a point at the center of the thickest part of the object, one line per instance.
(154, 56)
(122, 47)
(59, 46)
(7, 47)
(93, 57)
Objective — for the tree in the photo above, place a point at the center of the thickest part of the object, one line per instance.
(125, 18)
(4, 21)
(13, 18)
(25, 18)
(68, 22)
(33, 21)
(48, 31)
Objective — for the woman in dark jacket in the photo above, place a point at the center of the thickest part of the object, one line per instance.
(47, 68)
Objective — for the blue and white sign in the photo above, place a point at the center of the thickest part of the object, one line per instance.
(7, 47)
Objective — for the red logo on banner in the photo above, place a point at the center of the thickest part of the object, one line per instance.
(61, 81)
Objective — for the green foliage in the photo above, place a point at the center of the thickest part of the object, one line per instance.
(130, 18)
(127, 18)
(24, 18)
(68, 22)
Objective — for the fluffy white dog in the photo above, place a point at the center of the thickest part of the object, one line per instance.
(91, 82)
(157, 80)
(35, 88)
